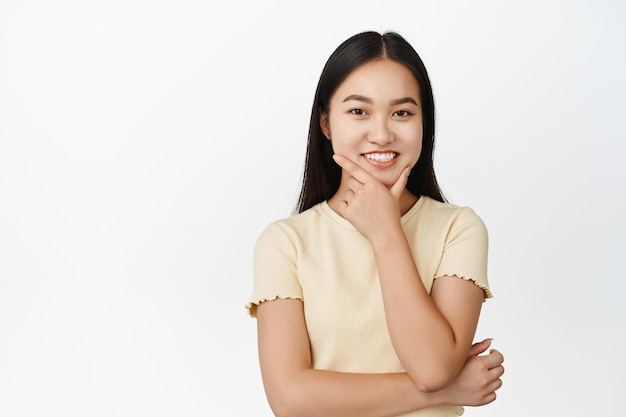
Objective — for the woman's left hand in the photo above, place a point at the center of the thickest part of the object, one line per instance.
(368, 204)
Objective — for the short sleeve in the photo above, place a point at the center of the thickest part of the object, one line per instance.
(465, 250)
(274, 267)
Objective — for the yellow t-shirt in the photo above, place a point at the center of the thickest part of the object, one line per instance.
(320, 258)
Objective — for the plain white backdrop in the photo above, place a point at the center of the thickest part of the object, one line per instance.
(145, 144)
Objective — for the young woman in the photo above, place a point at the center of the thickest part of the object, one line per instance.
(367, 300)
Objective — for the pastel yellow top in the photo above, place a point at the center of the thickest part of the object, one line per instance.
(320, 258)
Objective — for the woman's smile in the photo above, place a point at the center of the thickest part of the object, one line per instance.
(381, 159)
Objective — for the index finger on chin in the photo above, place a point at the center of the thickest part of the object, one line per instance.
(354, 170)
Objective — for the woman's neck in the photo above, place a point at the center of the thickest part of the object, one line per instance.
(406, 202)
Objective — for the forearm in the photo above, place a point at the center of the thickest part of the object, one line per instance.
(294, 388)
(312, 393)
(422, 337)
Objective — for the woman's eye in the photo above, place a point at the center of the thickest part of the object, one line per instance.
(357, 112)
(403, 113)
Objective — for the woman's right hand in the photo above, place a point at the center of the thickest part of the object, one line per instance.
(478, 380)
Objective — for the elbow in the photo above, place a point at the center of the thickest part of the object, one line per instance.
(282, 410)
(428, 381)
(285, 403)
(430, 386)
(288, 394)
(283, 407)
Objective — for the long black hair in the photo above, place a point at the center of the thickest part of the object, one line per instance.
(322, 176)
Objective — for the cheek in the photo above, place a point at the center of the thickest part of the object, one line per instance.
(343, 136)
(415, 145)
(413, 137)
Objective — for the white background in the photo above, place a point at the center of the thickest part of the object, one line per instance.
(145, 144)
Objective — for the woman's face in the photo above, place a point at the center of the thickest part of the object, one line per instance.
(375, 119)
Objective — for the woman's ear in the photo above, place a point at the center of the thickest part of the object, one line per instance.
(324, 125)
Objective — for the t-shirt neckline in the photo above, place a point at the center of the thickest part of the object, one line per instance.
(337, 217)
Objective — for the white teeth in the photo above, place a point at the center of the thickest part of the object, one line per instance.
(381, 157)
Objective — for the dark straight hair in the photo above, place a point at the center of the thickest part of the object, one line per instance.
(322, 176)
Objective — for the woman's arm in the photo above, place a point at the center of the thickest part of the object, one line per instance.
(431, 333)
(293, 388)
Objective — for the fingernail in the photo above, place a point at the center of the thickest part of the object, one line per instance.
(337, 158)
(488, 340)
(407, 172)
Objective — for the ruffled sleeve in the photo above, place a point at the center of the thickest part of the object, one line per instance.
(275, 267)
(465, 250)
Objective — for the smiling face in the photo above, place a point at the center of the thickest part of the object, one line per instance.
(375, 119)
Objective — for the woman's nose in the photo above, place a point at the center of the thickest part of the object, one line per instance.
(380, 133)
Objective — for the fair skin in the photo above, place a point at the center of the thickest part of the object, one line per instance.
(295, 389)
(375, 126)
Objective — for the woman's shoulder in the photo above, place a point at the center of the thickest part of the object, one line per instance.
(449, 212)
(301, 220)
(296, 224)
(443, 207)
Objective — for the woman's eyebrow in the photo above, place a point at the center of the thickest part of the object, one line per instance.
(368, 100)
(358, 98)
(403, 100)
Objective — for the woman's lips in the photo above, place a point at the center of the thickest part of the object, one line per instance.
(381, 159)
